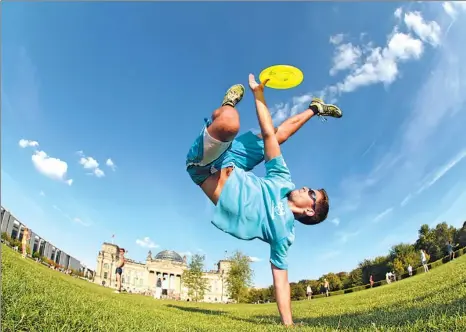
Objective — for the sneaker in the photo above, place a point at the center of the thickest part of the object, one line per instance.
(233, 95)
(324, 110)
(117, 292)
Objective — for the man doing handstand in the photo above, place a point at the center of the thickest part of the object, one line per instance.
(247, 206)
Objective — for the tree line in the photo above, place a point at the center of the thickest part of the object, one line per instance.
(238, 280)
(432, 240)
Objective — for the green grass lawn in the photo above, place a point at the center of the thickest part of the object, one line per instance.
(35, 298)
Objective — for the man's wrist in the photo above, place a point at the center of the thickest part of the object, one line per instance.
(259, 95)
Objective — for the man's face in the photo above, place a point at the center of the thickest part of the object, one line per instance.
(305, 198)
(122, 252)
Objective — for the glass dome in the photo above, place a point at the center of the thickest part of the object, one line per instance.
(169, 255)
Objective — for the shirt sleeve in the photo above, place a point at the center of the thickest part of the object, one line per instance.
(279, 254)
(277, 167)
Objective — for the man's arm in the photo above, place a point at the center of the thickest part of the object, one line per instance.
(282, 294)
(279, 264)
(271, 146)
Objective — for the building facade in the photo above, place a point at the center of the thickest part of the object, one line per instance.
(141, 277)
(15, 229)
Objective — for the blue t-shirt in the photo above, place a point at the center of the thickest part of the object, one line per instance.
(251, 207)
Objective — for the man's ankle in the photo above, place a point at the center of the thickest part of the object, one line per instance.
(314, 109)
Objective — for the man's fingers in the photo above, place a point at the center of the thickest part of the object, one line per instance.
(265, 81)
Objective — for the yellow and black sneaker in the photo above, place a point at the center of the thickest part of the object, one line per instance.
(233, 95)
(324, 110)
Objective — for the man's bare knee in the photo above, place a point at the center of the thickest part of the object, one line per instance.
(225, 124)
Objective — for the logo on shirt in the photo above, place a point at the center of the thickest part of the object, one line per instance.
(278, 209)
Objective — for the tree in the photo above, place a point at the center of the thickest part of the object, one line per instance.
(354, 278)
(193, 278)
(426, 241)
(376, 267)
(402, 255)
(333, 280)
(460, 237)
(298, 291)
(239, 277)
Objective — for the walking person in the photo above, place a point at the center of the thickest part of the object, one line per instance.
(24, 242)
(410, 270)
(309, 292)
(119, 269)
(326, 287)
(424, 260)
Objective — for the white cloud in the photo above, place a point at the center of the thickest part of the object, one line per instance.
(146, 243)
(24, 143)
(110, 164)
(254, 259)
(442, 171)
(345, 236)
(406, 200)
(42, 193)
(79, 221)
(99, 173)
(335, 221)
(88, 162)
(381, 66)
(328, 255)
(383, 214)
(428, 32)
(56, 208)
(53, 168)
(336, 39)
(91, 164)
(449, 9)
(398, 12)
(346, 57)
(452, 8)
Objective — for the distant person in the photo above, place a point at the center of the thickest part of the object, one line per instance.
(371, 280)
(119, 269)
(24, 241)
(387, 277)
(309, 292)
(326, 287)
(424, 260)
(164, 288)
(158, 288)
(450, 250)
(410, 270)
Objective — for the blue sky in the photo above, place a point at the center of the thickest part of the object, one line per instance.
(85, 83)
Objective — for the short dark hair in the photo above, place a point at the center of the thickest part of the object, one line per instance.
(321, 211)
(122, 249)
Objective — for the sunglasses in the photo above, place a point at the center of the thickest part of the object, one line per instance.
(313, 196)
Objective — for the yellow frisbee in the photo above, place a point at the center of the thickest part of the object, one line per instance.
(282, 77)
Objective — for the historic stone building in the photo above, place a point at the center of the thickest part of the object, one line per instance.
(141, 277)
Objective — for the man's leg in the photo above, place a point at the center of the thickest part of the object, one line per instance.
(317, 107)
(225, 120)
(216, 136)
(117, 275)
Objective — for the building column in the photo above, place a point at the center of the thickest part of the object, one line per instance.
(10, 223)
(178, 283)
(31, 242)
(5, 222)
